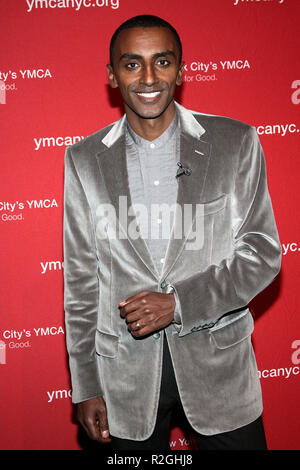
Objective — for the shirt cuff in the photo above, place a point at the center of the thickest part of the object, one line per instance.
(177, 310)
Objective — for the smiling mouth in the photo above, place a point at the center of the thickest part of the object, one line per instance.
(152, 94)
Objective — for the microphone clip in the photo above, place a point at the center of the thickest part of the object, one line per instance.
(182, 170)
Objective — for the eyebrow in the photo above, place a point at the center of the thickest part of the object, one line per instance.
(139, 57)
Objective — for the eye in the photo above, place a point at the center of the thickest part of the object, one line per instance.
(163, 62)
(131, 65)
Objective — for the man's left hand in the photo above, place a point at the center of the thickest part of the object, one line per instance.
(147, 311)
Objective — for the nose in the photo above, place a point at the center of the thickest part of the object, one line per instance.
(148, 77)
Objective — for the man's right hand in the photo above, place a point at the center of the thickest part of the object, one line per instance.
(92, 415)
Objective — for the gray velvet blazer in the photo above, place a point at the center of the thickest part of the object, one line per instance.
(239, 255)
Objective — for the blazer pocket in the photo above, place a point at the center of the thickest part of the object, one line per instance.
(106, 345)
(233, 332)
(211, 207)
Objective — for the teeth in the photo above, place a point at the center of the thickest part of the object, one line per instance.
(150, 95)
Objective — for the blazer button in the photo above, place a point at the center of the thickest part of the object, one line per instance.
(163, 284)
(156, 335)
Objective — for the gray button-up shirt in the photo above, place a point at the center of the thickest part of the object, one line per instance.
(152, 167)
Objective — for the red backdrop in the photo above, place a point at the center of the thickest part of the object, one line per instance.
(241, 61)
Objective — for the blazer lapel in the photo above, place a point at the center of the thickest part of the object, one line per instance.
(194, 154)
(113, 167)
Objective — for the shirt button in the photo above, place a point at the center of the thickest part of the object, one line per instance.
(152, 146)
(163, 284)
(156, 335)
(162, 260)
(156, 182)
(159, 221)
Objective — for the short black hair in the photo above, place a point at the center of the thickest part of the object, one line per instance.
(143, 21)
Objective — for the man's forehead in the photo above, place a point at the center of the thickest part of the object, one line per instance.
(146, 41)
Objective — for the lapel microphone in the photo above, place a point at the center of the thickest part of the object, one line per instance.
(182, 170)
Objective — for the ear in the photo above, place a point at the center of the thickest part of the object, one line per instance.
(111, 76)
(180, 74)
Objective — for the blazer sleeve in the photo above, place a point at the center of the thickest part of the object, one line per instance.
(80, 286)
(205, 296)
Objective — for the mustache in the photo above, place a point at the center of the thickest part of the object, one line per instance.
(148, 89)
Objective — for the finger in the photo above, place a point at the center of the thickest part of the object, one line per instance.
(143, 316)
(91, 428)
(133, 298)
(102, 424)
(145, 330)
(134, 307)
(143, 312)
(136, 325)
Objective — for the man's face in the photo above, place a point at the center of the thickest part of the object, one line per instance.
(146, 68)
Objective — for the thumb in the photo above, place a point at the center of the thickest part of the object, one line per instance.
(103, 425)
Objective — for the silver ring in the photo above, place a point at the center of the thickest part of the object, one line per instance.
(138, 325)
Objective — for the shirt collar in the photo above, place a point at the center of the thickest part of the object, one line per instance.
(165, 137)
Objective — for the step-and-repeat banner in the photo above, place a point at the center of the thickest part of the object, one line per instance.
(242, 61)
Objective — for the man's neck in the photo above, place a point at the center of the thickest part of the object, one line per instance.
(151, 129)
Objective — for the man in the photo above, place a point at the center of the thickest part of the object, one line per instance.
(155, 322)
